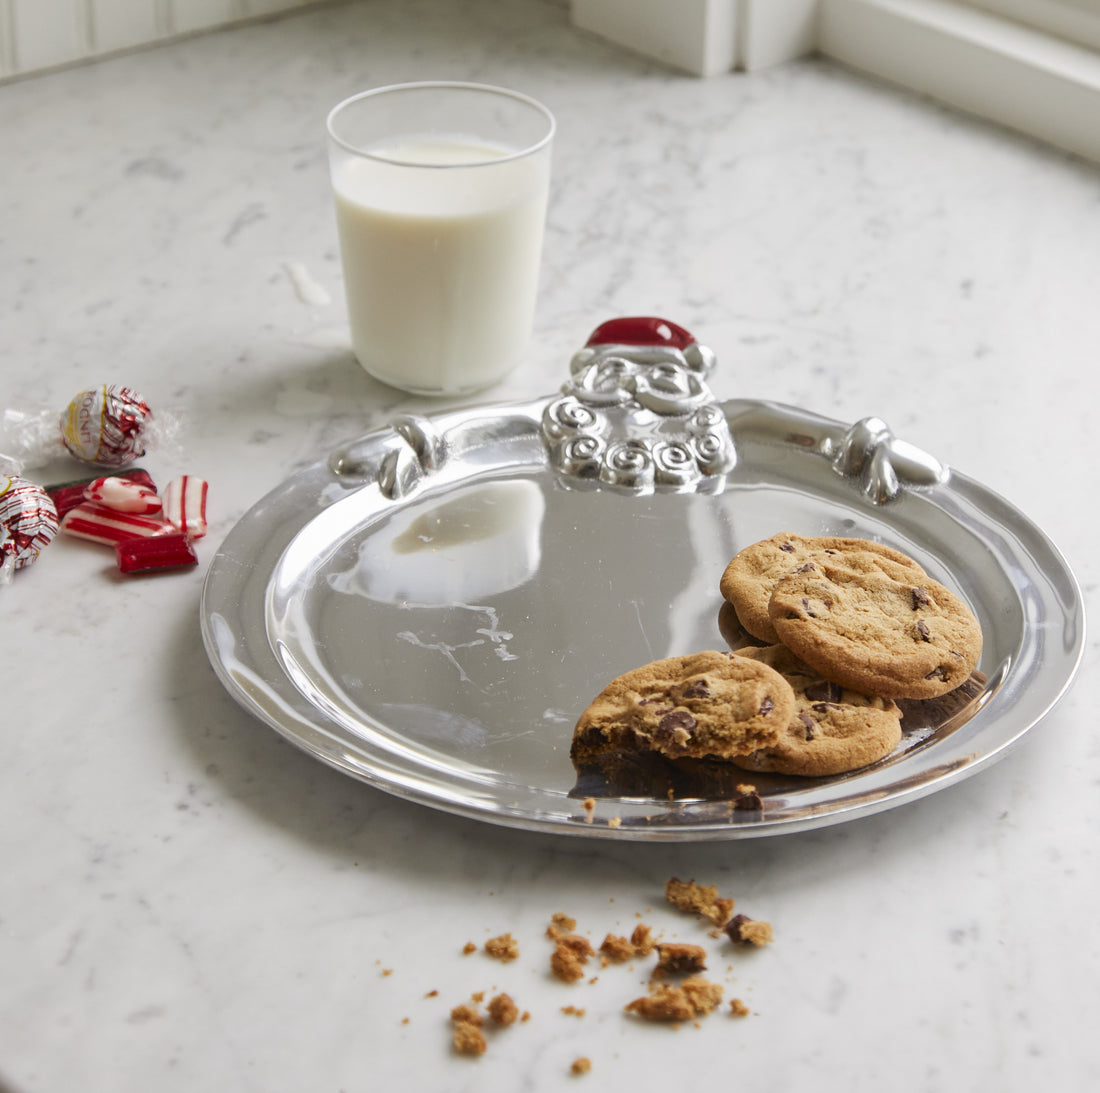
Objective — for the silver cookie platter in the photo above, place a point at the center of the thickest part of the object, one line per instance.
(430, 609)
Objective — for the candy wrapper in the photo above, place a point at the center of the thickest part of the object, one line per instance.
(106, 425)
(28, 522)
(109, 426)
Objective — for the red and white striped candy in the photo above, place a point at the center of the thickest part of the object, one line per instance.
(185, 505)
(160, 552)
(103, 525)
(123, 495)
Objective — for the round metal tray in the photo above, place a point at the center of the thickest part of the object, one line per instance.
(430, 609)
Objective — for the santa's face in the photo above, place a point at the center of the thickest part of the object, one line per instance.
(639, 416)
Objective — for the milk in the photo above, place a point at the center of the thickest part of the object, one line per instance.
(440, 262)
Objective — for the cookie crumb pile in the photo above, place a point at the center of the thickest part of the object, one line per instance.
(836, 632)
(677, 991)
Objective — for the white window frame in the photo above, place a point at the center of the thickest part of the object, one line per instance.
(1040, 77)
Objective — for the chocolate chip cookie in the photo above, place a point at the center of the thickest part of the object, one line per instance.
(710, 704)
(749, 579)
(834, 729)
(876, 626)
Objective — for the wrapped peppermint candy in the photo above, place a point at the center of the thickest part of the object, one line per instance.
(106, 425)
(173, 551)
(102, 524)
(185, 505)
(68, 495)
(149, 531)
(123, 494)
(28, 522)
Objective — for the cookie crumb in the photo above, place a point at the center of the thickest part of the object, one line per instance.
(704, 995)
(468, 948)
(478, 997)
(581, 1066)
(615, 821)
(738, 1008)
(747, 799)
(503, 1010)
(432, 994)
(466, 1035)
(466, 1015)
(615, 950)
(503, 948)
(665, 1002)
(468, 1039)
(387, 971)
(560, 924)
(743, 930)
(642, 939)
(571, 952)
(573, 1011)
(678, 959)
(700, 899)
(589, 806)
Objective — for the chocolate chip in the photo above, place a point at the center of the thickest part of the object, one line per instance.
(807, 567)
(824, 691)
(675, 720)
(922, 629)
(920, 597)
(697, 688)
(734, 927)
(936, 673)
(807, 608)
(766, 707)
(808, 725)
(788, 547)
(825, 707)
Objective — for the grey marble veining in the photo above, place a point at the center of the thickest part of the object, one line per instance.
(188, 902)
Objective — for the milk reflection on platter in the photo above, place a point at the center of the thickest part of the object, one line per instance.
(402, 636)
(478, 544)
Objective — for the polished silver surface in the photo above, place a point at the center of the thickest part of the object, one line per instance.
(430, 609)
(640, 417)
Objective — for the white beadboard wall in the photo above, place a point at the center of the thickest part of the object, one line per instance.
(38, 34)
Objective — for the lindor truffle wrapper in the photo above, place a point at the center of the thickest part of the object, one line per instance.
(106, 425)
(28, 521)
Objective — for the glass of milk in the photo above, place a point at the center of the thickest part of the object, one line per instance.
(440, 192)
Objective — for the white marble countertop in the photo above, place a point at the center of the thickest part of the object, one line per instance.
(190, 903)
